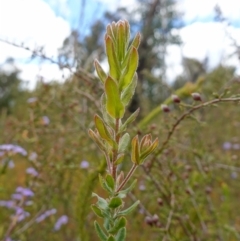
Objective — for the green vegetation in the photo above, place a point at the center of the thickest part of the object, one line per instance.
(49, 167)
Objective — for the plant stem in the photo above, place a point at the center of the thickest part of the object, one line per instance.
(127, 177)
(115, 152)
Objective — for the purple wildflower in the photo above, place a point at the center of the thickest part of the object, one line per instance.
(19, 189)
(51, 212)
(32, 100)
(17, 196)
(45, 120)
(11, 164)
(40, 218)
(234, 175)
(227, 145)
(32, 171)
(8, 239)
(7, 204)
(13, 148)
(141, 211)
(25, 191)
(33, 156)
(84, 164)
(62, 220)
(21, 214)
(45, 215)
(142, 187)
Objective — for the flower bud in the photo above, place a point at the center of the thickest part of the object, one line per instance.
(208, 190)
(153, 126)
(148, 220)
(185, 175)
(165, 108)
(188, 168)
(155, 218)
(160, 201)
(175, 99)
(188, 191)
(196, 96)
(158, 224)
(206, 169)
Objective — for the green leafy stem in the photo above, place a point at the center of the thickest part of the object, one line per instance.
(110, 130)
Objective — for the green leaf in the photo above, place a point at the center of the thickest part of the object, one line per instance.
(121, 44)
(101, 74)
(102, 203)
(111, 238)
(110, 181)
(97, 211)
(104, 185)
(100, 232)
(120, 223)
(119, 159)
(107, 118)
(115, 202)
(102, 130)
(127, 32)
(97, 140)
(123, 193)
(135, 156)
(110, 32)
(114, 104)
(128, 210)
(136, 41)
(128, 93)
(145, 142)
(107, 214)
(114, 28)
(130, 119)
(106, 223)
(149, 150)
(126, 60)
(121, 236)
(114, 68)
(130, 70)
(124, 142)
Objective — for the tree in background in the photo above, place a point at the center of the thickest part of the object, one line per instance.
(192, 70)
(80, 51)
(10, 86)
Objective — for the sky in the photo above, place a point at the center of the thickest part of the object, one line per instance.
(47, 23)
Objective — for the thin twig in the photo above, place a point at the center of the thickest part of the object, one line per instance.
(30, 223)
(88, 96)
(186, 114)
(81, 73)
(146, 212)
(168, 224)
